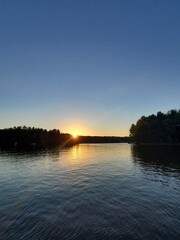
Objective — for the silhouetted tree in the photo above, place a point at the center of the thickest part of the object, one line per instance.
(160, 128)
(26, 137)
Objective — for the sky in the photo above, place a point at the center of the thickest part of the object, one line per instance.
(88, 66)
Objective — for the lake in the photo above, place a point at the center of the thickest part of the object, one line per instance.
(91, 191)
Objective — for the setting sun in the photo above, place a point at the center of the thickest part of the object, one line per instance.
(74, 135)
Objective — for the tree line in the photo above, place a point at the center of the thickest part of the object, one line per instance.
(159, 128)
(103, 139)
(27, 137)
(36, 138)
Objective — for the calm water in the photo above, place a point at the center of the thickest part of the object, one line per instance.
(98, 191)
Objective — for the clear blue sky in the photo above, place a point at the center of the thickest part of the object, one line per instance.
(91, 66)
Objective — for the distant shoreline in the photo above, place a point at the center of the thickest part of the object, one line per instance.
(38, 138)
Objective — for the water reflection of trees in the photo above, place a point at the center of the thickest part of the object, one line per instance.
(31, 154)
(161, 159)
(160, 155)
(15, 155)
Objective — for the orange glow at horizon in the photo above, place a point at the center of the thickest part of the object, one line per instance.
(78, 129)
(82, 129)
(74, 135)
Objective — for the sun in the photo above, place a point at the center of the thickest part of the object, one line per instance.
(74, 135)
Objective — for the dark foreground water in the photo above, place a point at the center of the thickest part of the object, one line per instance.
(99, 191)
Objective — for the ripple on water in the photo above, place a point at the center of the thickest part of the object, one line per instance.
(108, 191)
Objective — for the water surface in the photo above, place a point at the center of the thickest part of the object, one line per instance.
(95, 191)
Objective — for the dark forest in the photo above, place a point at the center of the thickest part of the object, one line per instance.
(159, 128)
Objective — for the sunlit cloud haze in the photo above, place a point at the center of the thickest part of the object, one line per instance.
(91, 67)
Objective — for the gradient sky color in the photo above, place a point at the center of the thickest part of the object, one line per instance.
(88, 66)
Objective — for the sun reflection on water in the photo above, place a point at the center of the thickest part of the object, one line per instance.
(75, 156)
